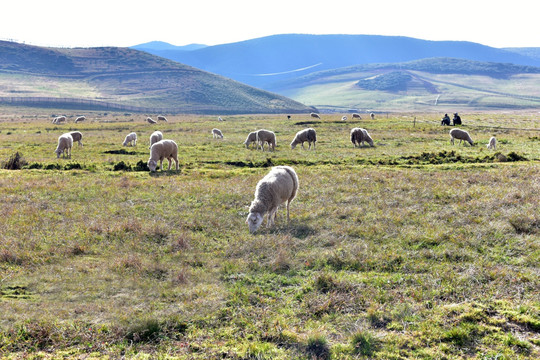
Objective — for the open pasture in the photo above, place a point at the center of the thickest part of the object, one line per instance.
(411, 249)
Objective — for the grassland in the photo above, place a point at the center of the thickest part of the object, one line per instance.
(412, 249)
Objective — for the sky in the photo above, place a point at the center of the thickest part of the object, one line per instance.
(72, 23)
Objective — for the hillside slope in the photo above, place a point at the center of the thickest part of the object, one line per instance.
(263, 61)
(128, 77)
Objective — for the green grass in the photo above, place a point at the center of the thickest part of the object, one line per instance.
(412, 249)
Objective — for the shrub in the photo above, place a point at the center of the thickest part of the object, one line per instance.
(364, 343)
(15, 162)
(122, 166)
(317, 347)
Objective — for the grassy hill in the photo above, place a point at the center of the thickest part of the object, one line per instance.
(436, 84)
(128, 77)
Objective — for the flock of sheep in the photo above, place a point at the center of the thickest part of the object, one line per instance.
(280, 185)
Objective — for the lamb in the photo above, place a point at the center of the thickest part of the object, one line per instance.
(77, 136)
(359, 135)
(150, 120)
(308, 135)
(461, 135)
(65, 143)
(343, 118)
(266, 136)
(80, 118)
(251, 138)
(163, 149)
(155, 137)
(162, 118)
(130, 139)
(278, 186)
(355, 115)
(59, 119)
(372, 116)
(216, 133)
(492, 145)
(315, 115)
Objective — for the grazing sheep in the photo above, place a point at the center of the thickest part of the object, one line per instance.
(216, 133)
(155, 137)
(65, 143)
(308, 135)
(372, 116)
(164, 149)
(278, 186)
(456, 119)
(343, 118)
(150, 120)
(251, 138)
(77, 136)
(359, 135)
(130, 139)
(355, 115)
(266, 136)
(162, 118)
(315, 115)
(59, 119)
(80, 118)
(461, 135)
(492, 144)
(220, 119)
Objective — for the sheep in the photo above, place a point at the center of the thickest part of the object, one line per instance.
(355, 115)
(150, 120)
(461, 135)
(77, 136)
(155, 137)
(163, 149)
(220, 118)
(251, 138)
(372, 116)
(492, 144)
(359, 135)
(80, 118)
(308, 135)
(162, 118)
(315, 115)
(59, 119)
(278, 186)
(216, 133)
(65, 143)
(130, 139)
(266, 136)
(343, 118)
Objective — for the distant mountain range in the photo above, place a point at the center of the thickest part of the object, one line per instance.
(126, 77)
(267, 61)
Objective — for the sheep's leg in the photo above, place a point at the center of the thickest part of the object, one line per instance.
(452, 140)
(161, 164)
(170, 162)
(303, 148)
(288, 202)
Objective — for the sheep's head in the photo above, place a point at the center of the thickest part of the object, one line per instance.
(293, 145)
(152, 165)
(254, 221)
(58, 152)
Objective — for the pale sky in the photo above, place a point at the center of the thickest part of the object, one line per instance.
(90, 23)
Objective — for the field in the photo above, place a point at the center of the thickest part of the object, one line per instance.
(411, 249)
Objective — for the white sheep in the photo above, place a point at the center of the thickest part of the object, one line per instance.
(216, 133)
(220, 118)
(278, 186)
(162, 118)
(80, 118)
(308, 135)
(65, 143)
(372, 116)
(59, 119)
(130, 139)
(77, 136)
(460, 135)
(266, 136)
(343, 118)
(150, 120)
(355, 115)
(359, 135)
(315, 115)
(251, 138)
(492, 144)
(164, 149)
(155, 137)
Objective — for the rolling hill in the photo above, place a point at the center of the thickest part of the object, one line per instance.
(127, 79)
(263, 62)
